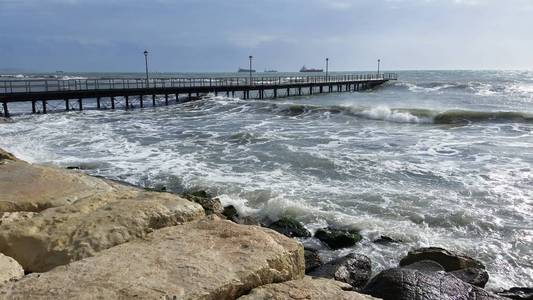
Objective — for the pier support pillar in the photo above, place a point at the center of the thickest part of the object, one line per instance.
(98, 103)
(153, 100)
(275, 93)
(80, 104)
(6, 112)
(227, 94)
(299, 91)
(33, 110)
(321, 89)
(67, 104)
(166, 99)
(127, 102)
(112, 102)
(288, 92)
(141, 98)
(233, 94)
(310, 90)
(44, 106)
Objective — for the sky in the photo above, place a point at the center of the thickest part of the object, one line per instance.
(219, 35)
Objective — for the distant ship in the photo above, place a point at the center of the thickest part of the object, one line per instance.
(271, 71)
(241, 70)
(306, 70)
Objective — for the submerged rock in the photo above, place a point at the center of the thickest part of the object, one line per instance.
(409, 284)
(211, 205)
(449, 260)
(9, 269)
(312, 260)
(290, 227)
(354, 269)
(206, 259)
(338, 238)
(307, 288)
(518, 293)
(384, 240)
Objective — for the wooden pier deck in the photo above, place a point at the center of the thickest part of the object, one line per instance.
(127, 93)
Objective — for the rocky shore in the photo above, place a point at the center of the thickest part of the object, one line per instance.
(67, 235)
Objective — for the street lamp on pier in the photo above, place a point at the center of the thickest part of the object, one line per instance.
(379, 62)
(327, 67)
(250, 70)
(146, 65)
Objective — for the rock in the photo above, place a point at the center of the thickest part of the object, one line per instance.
(9, 269)
(60, 235)
(425, 266)
(307, 288)
(383, 240)
(211, 205)
(474, 276)
(312, 260)
(338, 238)
(8, 217)
(205, 259)
(33, 188)
(4, 155)
(408, 284)
(353, 269)
(290, 227)
(449, 260)
(518, 293)
(230, 212)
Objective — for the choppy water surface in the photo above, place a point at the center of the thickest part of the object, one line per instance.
(435, 159)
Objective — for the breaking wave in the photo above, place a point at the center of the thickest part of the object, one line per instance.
(411, 115)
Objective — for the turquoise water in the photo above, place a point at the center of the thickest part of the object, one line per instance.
(439, 158)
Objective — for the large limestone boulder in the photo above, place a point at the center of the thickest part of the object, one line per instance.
(9, 269)
(8, 217)
(33, 188)
(63, 234)
(207, 259)
(307, 288)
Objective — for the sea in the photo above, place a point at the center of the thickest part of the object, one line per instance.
(436, 158)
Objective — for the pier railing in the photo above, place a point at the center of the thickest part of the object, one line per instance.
(54, 85)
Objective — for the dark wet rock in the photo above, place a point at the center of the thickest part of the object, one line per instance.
(409, 284)
(425, 266)
(312, 260)
(474, 276)
(157, 188)
(383, 240)
(290, 227)
(518, 293)
(338, 238)
(230, 212)
(354, 269)
(449, 260)
(211, 205)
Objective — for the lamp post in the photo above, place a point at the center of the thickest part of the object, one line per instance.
(250, 70)
(379, 62)
(146, 65)
(327, 67)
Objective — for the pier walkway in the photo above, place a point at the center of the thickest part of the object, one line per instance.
(127, 93)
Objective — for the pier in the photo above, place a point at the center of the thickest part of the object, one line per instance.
(128, 93)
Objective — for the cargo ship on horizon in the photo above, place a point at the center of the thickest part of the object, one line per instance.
(304, 69)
